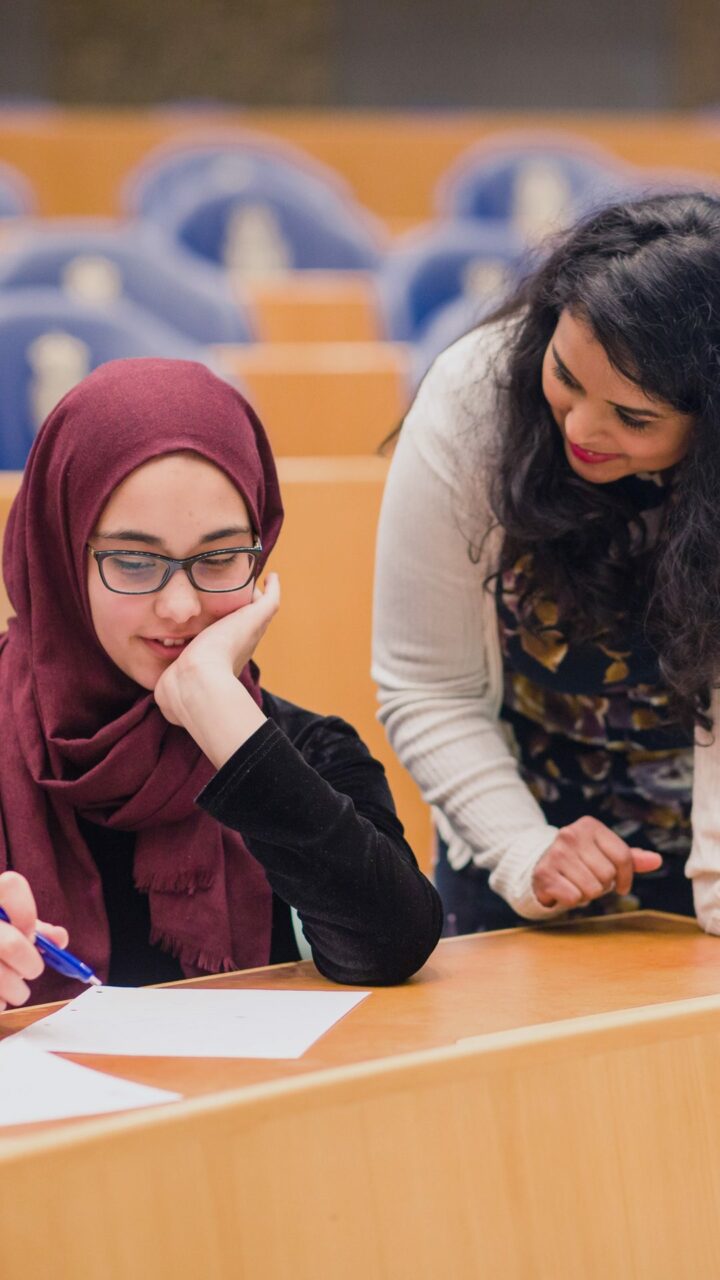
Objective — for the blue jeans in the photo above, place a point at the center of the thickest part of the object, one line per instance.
(471, 906)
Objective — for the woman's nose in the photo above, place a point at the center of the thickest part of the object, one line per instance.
(582, 423)
(179, 599)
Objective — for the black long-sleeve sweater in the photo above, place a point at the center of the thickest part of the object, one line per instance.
(313, 806)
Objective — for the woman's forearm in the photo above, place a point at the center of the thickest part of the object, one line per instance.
(218, 712)
(369, 914)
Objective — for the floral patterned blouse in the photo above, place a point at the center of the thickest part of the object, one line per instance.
(591, 723)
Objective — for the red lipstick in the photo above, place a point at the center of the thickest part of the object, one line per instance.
(589, 456)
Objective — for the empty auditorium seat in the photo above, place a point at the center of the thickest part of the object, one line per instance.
(49, 342)
(534, 183)
(431, 267)
(97, 263)
(262, 226)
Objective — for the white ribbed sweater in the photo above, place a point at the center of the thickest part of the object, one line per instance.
(437, 660)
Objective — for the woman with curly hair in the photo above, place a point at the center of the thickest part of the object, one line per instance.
(547, 638)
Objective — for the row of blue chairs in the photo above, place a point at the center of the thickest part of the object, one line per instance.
(74, 294)
(99, 263)
(138, 261)
(205, 217)
(509, 177)
(49, 341)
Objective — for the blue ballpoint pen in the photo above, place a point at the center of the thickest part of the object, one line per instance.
(61, 961)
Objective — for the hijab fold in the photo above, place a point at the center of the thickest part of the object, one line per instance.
(79, 737)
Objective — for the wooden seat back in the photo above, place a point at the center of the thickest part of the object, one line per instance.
(320, 399)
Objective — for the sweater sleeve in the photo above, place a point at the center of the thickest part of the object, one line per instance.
(703, 865)
(320, 819)
(436, 656)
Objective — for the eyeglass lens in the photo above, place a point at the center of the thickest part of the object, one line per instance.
(134, 572)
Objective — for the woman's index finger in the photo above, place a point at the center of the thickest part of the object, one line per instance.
(17, 900)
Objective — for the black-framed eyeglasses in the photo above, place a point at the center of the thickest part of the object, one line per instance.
(140, 573)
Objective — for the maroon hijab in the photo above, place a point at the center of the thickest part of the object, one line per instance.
(81, 738)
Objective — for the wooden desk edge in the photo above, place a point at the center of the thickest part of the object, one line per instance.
(635, 1025)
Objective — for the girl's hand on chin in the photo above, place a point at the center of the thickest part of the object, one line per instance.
(218, 653)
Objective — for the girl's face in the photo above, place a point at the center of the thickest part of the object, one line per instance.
(179, 505)
(610, 427)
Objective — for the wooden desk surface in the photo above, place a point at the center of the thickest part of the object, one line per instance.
(390, 1152)
(469, 987)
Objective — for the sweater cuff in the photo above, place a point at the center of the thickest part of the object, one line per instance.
(512, 877)
(707, 905)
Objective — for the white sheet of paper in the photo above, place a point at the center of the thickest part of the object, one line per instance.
(39, 1086)
(189, 1023)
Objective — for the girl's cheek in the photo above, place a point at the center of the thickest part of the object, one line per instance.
(221, 605)
(121, 615)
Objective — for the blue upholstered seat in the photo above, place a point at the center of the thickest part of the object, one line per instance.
(48, 342)
(262, 226)
(96, 262)
(534, 183)
(16, 194)
(177, 170)
(433, 266)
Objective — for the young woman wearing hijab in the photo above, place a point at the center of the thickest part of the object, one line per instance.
(547, 634)
(162, 807)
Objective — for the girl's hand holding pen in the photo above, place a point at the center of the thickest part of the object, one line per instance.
(20, 960)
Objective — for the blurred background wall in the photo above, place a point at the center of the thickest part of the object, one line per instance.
(504, 54)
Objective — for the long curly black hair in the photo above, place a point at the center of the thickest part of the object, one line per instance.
(645, 277)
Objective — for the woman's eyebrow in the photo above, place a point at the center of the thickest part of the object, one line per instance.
(149, 540)
(637, 413)
(231, 531)
(626, 408)
(561, 363)
(128, 535)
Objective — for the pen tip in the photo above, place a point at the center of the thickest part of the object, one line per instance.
(94, 981)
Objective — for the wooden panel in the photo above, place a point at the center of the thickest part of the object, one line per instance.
(317, 653)
(573, 1156)
(582, 1148)
(313, 306)
(323, 398)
